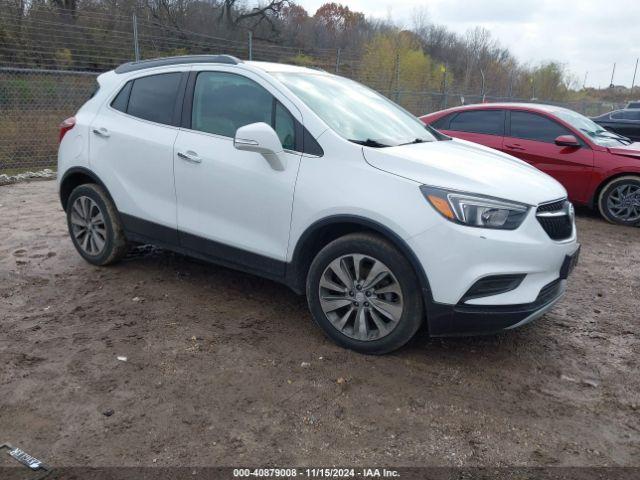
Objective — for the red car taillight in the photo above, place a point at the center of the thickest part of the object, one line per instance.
(65, 126)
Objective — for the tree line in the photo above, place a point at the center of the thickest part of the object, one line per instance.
(97, 34)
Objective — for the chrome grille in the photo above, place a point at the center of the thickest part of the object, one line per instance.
(556, 218)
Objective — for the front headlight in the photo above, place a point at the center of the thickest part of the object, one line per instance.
(476, 210)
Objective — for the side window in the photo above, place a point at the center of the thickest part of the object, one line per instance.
(631, 114)
(224, 102)
(487, 122)
(122, 99)
(285, 127)
(311, 145)
(153, 98)
(530, 126)
(442, 123)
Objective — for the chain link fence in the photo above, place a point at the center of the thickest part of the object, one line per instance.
(33, 102)
(32, 105)
(47, 81)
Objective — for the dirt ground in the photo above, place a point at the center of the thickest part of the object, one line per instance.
(227, 369)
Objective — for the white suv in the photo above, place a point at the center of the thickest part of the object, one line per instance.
(318, 182)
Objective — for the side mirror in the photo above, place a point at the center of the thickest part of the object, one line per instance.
(260, 138)
(567, 141)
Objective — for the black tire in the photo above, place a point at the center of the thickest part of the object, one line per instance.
(605, 197)
(115, 243)
(377, 248)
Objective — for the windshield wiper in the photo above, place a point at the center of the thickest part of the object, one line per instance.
(615, 136)
(369, 142)
(417, 140)
(608, 134)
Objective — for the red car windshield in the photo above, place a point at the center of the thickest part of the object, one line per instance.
(595, 132)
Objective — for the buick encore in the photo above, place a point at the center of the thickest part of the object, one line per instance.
(320, 183)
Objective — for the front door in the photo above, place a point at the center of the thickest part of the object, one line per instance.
(232, 205)
(532, 138)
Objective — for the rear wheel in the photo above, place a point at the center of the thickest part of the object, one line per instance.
(619, 201)
(364, 294)
(94, 225)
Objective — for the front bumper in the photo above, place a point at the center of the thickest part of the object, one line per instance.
(472, 254)
(453, 320)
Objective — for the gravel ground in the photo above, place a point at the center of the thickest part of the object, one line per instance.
(225, 368)
(45, 174)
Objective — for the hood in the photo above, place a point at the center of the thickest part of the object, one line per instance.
(461, 165)
(632, 150)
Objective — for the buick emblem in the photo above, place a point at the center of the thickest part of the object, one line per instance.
(571, 211)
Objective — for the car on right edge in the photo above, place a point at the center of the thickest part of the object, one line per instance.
(624, 122)
(597, 167)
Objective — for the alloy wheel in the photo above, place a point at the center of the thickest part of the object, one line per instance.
(361, 297)
(624, 202)
(88, 226)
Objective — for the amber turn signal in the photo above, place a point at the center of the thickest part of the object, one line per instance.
(441, 205)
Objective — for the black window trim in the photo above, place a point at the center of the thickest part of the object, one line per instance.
(446, 119)
(570, 131)
(187, 109)
(128, 85)
(460, 112)
(177, 112)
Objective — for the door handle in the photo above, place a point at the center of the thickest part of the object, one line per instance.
(190, 157)
(102, 132)
(514, 147)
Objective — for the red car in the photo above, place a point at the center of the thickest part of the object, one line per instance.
(597, 167)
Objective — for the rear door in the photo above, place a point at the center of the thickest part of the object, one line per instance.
(485, 127)
(531, 137)
(131, 144)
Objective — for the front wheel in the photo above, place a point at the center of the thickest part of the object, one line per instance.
(364, 294)
(619, 201)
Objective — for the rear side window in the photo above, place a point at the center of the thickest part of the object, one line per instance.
(626, 115)
(487, 122)
(442, 123)
(151, 98)
(122, 99)
(530, 126)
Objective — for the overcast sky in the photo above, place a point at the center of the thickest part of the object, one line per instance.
(585, 35)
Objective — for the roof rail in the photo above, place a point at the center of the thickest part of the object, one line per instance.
(167, 61)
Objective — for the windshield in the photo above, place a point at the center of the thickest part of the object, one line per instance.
(594, 131)
(356, 112)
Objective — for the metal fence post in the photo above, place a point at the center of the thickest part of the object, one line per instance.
(136, 47)
(482, 86)
(338, 61)
(613, 75)
(397, 78)
(511, 85)
(533, 88)
(445, 95)
(250, 45)
(633, 82)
